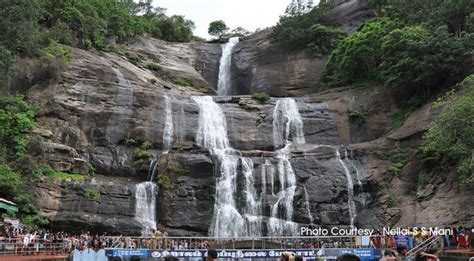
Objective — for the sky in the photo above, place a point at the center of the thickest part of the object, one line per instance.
(249, 14)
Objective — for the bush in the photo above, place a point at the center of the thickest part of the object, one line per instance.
(164, 182)
(450, 138)
(55, 52)
(177, 170)
(419, 62)
(138, 163)
(356, 116)
(465, 171)
(10, 181)
(91, 194)
(393, 201)
(46, 170)
(152, 81)
(358, 56)
(181, 81)
(16, 117)
(153, 67)
(131, 142)
(90, 169)
(260, 96)
(302, 31)
(133, 58)
(399, 161)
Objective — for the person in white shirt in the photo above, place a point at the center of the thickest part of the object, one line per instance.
(26, 242)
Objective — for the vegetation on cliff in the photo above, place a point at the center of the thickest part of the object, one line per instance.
(17, 117)
(30, 26)
(450, 139)
(308, 31)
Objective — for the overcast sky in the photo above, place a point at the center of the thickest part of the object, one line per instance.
(249, 14)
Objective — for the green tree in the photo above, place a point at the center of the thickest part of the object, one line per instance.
(450, 138)
(217, 28)
(419, 62)
(10, 182)
(358, 56)
(16, 117)
(239, 32)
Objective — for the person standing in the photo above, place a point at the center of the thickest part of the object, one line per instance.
(26, 243)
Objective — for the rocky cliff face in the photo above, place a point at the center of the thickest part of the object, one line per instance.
(106, 105)
(261, 65)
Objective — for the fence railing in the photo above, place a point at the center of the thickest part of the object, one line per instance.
(38, 247)
(124, 242)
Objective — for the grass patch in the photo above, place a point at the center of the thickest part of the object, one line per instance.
(181, 81)
(177, 170)
(260, 96)
(133, 58)
(356, 116)
(152, 81)
(399, 161)
(46, 170)
(164, 182)
(393, 201)
(131, 142)
(90, 169)
(91, 194)
(153, 67)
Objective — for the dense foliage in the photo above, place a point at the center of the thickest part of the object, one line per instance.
(30, 26)
(416, 47)
(358, 56)
(309, 30)
(217, 28)
(16, 117)
(450, 138)
(17, 168)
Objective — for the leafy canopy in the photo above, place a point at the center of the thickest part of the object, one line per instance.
(450, 138)
(16, 117)
(217, 28)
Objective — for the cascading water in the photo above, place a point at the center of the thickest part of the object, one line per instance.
(287, 128)
(223, 83)
(252, 206)
(168, 130)
(307, 205)
(350, 189)
(146, 192)
(228, 220)
(145, 204)
(123, 109)
(287, 122)
(359, 182)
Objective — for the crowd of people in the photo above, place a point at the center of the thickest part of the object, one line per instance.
(31, 242)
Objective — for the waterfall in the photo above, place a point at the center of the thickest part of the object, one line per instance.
(122, 111)
(287, 124)
(168, 130)
(152, 170)
(228, 220)
(146, 192)
(252, 206)
(307, 205)
(224, 83)
(354, 167)
(350, 189)
(145, 205)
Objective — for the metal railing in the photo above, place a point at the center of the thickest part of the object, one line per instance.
(39, 247)
(423, 245)
(295, 242)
